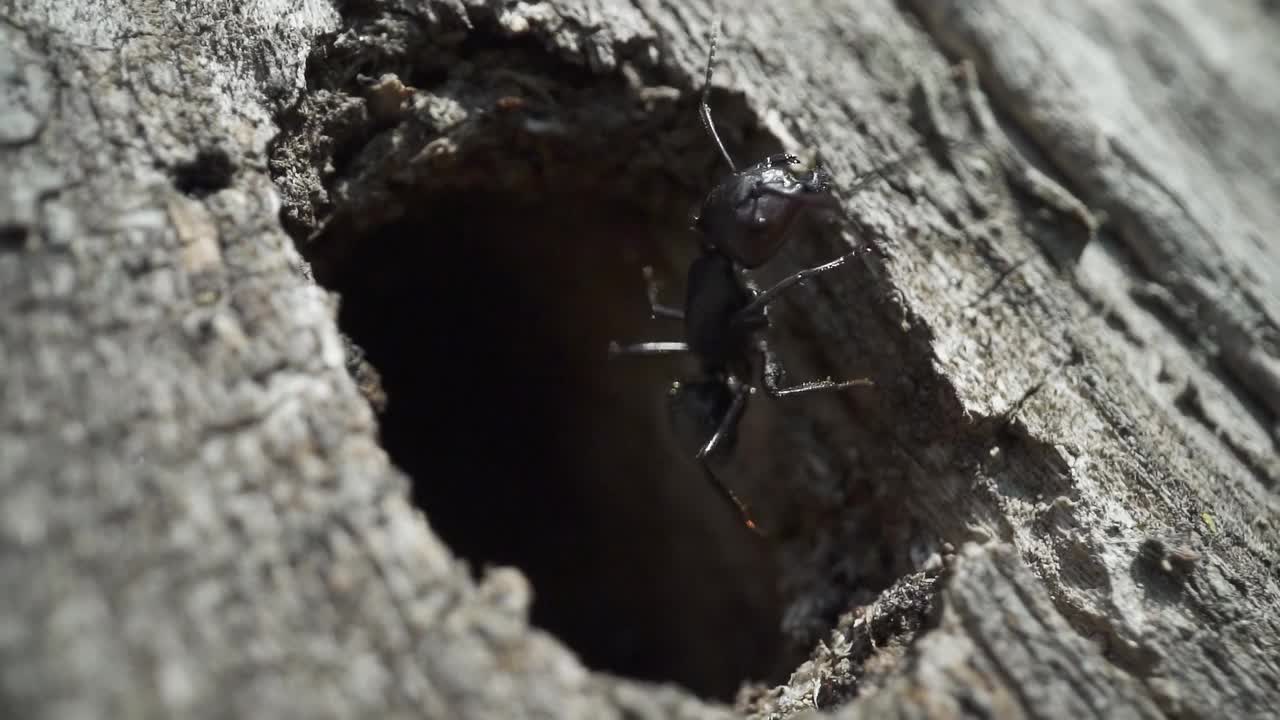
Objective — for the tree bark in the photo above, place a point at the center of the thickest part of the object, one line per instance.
(1058, 500)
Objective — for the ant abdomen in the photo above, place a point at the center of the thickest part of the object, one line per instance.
(696, 408)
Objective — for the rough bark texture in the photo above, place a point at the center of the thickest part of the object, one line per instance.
(1073, 324)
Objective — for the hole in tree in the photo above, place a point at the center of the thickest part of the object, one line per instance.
(487, 317)
(13, 237)
(208, 172)
(487, 314)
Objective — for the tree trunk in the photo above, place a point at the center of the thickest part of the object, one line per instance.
(305, 314)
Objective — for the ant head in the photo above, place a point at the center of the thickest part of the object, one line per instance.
(750, 214)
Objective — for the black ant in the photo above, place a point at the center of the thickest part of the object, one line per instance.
(744, 221)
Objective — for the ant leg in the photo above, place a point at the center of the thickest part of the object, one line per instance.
(729, 495)
(757, 304)
(657, 309)
(648, 348)
(774, 374)
(817, 386)
(719, 400)
(727, 423)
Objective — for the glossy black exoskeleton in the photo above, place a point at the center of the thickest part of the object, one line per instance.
(743, 222)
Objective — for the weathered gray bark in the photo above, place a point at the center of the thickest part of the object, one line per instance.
(195, 515)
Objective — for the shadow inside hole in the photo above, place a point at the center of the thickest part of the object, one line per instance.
(488, 320)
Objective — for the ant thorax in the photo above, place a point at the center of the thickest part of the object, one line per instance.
(715, 297)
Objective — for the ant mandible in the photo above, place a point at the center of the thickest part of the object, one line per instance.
(744, 221)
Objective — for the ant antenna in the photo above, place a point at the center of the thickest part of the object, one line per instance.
(704, 110)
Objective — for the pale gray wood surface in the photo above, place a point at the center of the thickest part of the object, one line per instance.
(196, 518)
